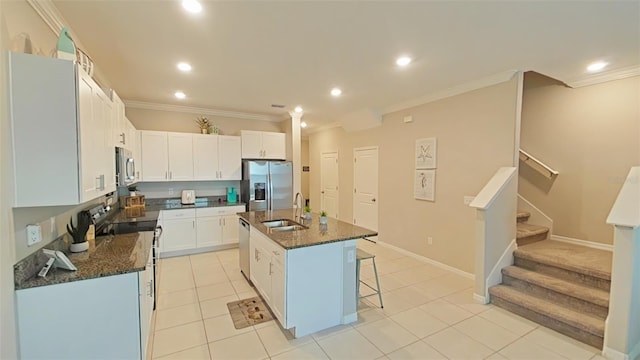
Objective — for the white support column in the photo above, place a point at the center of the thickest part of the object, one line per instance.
(296, 152)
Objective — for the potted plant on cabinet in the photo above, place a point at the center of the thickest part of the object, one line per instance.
(323, 217)
(307, 212)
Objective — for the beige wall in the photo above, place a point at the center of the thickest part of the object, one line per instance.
(475, 135)
(144, 119)
(591, 135)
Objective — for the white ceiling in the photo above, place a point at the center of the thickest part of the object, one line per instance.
(247, 55)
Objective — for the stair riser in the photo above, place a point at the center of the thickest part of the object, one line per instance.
(563, 328)
(532, 239)
(562, 273)
(556, 297)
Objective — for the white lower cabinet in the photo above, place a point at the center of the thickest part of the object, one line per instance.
(308, 289)
(188, 230)
(178, 230)
(107, 317)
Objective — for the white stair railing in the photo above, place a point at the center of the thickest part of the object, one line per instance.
(538, 165)
(496, 207)
(622, 327)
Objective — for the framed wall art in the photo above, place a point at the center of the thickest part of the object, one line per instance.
(424, 187)
(426, 153)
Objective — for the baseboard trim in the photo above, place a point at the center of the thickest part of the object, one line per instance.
(612, 354)
(586, 243)
(480, 299)
(168, 254)
(428, 260)
(495, 276)
(347, 319)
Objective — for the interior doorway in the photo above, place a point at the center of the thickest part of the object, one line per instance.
(365, 187)
(329, 184)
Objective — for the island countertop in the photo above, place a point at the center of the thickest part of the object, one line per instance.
(316, 234)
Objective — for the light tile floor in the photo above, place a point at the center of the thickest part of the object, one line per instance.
(429, 313)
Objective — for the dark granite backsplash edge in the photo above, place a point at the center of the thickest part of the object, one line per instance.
(32, 264)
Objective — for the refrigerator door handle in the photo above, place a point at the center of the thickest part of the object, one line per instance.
(270, 195)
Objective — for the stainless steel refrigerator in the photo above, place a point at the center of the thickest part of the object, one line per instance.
(267, 185)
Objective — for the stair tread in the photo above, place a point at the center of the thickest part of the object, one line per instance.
(525, 230)
(568, 316)
(576, 258)
(522, 215)
(587, 293)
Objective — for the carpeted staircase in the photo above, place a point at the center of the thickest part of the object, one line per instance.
(559, 285)
(528, 233)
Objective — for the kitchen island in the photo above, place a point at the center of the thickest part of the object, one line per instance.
(307, 275)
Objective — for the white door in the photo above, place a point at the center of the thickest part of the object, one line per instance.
(251, 144)
(365, 183)
(329, 184)
(180, 156)
(88, 103)
(230, 229)
(179, 234)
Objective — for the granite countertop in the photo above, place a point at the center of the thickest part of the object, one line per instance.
(107, 255)
(201, 202)
(136, 214)
(317, 234)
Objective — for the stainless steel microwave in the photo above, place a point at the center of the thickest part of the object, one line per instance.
(125, 167)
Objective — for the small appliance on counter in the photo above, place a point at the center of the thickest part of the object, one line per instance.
(188, 197)
(232, 195)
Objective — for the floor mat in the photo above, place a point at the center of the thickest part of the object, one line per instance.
(249, 312)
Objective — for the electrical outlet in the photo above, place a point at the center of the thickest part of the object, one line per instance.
(34, 234)
(429, 240)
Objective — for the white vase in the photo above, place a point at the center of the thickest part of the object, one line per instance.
(323, 220)
(79, 247)
(307, 216)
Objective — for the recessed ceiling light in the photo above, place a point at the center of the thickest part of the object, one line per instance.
(298, 109)
(597, 66)
(180, 95)
(192, 6)
(303, 124)
(183, 66)
(403, 61)
(336, 91)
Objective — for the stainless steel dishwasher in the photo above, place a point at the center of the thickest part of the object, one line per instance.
(245, 264)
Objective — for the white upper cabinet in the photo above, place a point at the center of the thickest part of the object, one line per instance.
(154, 155)
(205, 157)
(180, 156)
(184, 157)
(229, 157)
(263, 145)
(58, 129)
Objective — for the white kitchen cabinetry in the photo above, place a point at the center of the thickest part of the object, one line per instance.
(180, 156)
(120, 134)
(192, 230)
(154, 155)
(166, 156)
(178, 230)
(216, 157)
(263, 145)
(107, 317)
(310, 288)
(229, 157)
(60, 153)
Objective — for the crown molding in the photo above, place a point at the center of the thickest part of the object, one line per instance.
(201, 111)
(456, 90)
(49, 13)
(617, 74)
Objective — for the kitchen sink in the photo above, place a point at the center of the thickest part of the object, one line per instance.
(283, 225)
(279, 223)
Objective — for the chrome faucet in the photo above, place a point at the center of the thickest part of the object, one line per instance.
(295, 203)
